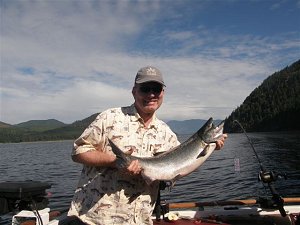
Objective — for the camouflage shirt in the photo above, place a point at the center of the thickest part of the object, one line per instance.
(106, 196)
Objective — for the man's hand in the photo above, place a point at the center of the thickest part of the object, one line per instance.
(220, 142)
(134, 168)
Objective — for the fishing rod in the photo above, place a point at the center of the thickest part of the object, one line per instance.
(251, 144)
(268, 177)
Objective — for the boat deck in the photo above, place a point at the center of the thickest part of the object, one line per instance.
(187, 222)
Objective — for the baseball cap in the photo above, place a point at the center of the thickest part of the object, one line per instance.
(148, 74)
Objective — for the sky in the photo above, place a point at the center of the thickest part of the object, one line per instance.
(69, 59)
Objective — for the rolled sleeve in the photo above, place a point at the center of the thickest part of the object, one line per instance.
(91, 139)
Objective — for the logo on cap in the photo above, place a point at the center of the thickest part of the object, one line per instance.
(151, 71)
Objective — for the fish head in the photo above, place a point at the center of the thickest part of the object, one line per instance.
(210, 132)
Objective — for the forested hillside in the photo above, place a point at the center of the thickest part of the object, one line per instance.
(273, 106)
(41, 125)
(35, 131)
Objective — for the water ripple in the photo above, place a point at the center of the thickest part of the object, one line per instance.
(216, 179)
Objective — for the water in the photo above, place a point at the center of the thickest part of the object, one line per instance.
(219, 178)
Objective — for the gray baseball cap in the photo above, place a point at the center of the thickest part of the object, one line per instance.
(149, 74)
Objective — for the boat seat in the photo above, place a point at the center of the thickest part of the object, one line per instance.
(22, 195)
(23, 189)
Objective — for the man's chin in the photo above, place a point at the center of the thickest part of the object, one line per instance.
(150, 108)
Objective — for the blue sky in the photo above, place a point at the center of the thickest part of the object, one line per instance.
(69, 59)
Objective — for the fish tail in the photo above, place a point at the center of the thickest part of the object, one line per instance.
(123, 159)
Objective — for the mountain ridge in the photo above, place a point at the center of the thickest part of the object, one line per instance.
(41, 125)
(188, 126)
(27, 132)
(272, 106)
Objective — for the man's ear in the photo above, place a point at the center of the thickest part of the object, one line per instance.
(133, 90)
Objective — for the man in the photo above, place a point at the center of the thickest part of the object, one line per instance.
(105, 194)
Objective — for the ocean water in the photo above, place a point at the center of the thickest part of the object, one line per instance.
(231, 173)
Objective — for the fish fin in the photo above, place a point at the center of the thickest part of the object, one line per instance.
(172, 184)
(173, 181)
(169, 184)
(122, 158)
(147, 179)
(203, 152)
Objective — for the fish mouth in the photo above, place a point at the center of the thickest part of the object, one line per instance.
(209, 124)
(211, 132)
(219, 130)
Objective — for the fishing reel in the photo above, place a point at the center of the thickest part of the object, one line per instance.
(270, 176)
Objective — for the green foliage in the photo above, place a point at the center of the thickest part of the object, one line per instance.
(4, 125)
(273, 106)
(35, 131)
(41, 125)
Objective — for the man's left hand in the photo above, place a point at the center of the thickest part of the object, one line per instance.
(220, 142)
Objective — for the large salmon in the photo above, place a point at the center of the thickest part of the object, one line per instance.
(179, 161)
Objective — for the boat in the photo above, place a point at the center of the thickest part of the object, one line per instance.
(29, 203)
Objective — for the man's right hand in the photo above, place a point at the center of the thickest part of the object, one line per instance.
(134, 168)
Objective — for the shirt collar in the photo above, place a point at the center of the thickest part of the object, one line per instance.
(135, 117)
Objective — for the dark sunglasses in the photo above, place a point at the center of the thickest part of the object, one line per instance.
(154, 89)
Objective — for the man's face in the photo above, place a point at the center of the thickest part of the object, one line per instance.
(148, 97)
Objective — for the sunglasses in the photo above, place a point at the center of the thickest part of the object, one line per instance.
(154, 89)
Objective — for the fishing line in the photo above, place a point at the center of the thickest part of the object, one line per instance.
(268, 177)
(251, 144)
(236, 161)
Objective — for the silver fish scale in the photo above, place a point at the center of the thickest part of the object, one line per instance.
(179, 161)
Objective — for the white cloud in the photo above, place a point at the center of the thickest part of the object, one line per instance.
(82, 59)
